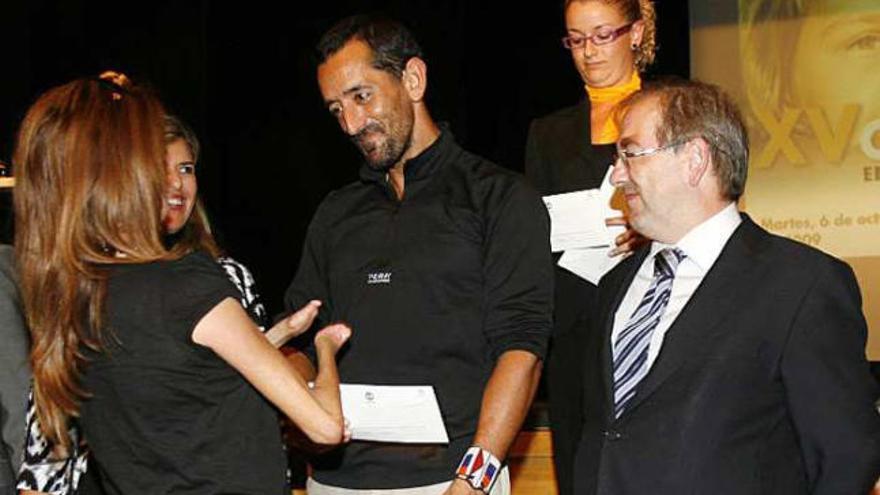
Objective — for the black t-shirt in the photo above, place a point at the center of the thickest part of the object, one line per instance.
(435, 288)
(167, 415)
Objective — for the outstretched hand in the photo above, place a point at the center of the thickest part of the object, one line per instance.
(293, 325)
(299, 322)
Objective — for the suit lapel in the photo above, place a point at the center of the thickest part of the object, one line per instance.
(720, 294)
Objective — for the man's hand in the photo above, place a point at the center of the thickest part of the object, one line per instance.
(461, 487)
(628, 241)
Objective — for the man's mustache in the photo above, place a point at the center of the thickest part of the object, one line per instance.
(358, 138)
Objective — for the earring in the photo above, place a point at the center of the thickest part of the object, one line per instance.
(634, 47)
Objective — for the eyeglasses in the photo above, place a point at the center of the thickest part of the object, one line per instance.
(625, 156)
(602, 36)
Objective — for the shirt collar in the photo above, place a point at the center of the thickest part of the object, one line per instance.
(703, 244)
(420, 166)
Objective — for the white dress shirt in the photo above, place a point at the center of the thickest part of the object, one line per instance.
(702, 245)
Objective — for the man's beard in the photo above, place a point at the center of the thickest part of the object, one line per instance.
(384, 154)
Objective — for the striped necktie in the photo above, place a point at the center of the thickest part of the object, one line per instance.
(630, 351)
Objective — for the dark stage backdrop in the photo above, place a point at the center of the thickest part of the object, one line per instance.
(242, 73)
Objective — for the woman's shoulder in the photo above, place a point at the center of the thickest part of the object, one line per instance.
(195, 268)
(195, 260)
(232, 265)
(194, 284)
(564, 116)
(237, 273)
(244, 281)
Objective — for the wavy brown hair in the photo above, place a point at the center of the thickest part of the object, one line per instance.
(90, 173)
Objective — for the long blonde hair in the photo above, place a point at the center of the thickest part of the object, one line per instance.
(90, 176)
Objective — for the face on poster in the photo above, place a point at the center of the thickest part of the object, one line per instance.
(804, 73)
(808, 82)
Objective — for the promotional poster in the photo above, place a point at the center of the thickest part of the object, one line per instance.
(805, 75)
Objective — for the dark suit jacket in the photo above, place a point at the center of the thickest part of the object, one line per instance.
(761, 386)
(559, 159)
(14, 375)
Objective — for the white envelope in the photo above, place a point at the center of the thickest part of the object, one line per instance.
(393, 413)
(577, 219)
(578, 228)
(589, 264)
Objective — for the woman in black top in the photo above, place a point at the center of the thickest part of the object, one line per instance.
(43, 472)
(147, 344)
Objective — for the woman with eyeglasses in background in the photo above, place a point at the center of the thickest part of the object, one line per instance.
(611, 42)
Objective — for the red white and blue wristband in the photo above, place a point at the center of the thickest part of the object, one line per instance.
(479, 468)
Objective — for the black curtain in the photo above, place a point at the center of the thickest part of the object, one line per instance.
(242, 73)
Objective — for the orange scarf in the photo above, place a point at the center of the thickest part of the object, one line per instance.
(609, 133)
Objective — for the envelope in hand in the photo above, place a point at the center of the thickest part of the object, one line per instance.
(393, 413)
